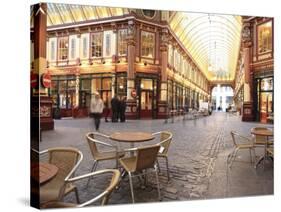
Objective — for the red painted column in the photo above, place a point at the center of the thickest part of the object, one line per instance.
(162, 103)
(40, 34)
(248, 107)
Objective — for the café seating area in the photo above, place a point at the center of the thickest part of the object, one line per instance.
(134, 162)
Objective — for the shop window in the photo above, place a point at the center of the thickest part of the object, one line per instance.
(96, 85)
(63, 48)
(122, 86)
(147, 44)
(122, 43)
(96, 45)
(267, 84)
(265, 37)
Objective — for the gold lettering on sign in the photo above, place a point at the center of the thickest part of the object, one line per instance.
(265, 56)
(45, 111)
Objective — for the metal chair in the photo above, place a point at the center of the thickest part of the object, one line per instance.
(67, 160)
(245, 143)
(101, 155)
(145, 159)
(165, 140)
(103, 196)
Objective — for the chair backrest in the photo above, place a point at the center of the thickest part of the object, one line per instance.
(258, 138)
(92, 144)
(103, 196)
(165, 140)
(146, 157)
(67, 160)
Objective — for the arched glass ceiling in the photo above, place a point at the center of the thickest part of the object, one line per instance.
(58, 14)
(213, 40)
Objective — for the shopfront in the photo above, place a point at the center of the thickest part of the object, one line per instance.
(72, 95)
(147, 96)
(264, 100)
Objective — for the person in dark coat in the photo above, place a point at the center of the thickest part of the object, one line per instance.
(114, 107)
(106, 109)
(123, 109)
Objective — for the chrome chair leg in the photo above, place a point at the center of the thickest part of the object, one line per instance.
(168, 171)
(92, 170)
(233, 157)
(77, 195)
(131, 186)
(157, 181)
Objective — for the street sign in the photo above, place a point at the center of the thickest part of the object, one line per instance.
(33, 80)
(46, 80)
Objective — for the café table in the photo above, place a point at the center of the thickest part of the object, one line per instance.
(262, 132)
(43, 172)
(131, 137)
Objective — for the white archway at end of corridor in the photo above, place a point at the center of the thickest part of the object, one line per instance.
(222, 98)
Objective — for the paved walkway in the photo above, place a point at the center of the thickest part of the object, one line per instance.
(197, 159)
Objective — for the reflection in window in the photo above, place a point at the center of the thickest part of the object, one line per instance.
(267, 84)
(63, 48)
(147, 45)
(122, 44)
(96, 44)
(265, 37)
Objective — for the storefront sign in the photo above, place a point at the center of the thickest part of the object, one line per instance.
(133, 93)
(46, 80)
(34, 80)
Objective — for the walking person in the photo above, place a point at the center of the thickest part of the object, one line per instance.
(97, 109)
(123, 109)
(114, 107)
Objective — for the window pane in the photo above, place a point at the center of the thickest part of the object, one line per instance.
(265, 37)
(63, 48)
(147, 45)
(122, 44)
(96, 44)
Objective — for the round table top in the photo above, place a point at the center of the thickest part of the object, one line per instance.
(262, 132)
(131, 136)
(43, 172)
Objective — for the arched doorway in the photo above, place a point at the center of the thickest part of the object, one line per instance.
(222, 98)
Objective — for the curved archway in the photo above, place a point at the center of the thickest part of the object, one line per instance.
(222, 97)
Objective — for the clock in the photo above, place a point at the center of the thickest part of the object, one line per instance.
(149, 13)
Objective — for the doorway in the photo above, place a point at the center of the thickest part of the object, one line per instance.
(147, 97)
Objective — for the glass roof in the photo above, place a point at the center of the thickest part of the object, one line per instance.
(213, 40)
(67, 13)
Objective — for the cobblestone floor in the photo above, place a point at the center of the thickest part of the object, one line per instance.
(197, 159)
